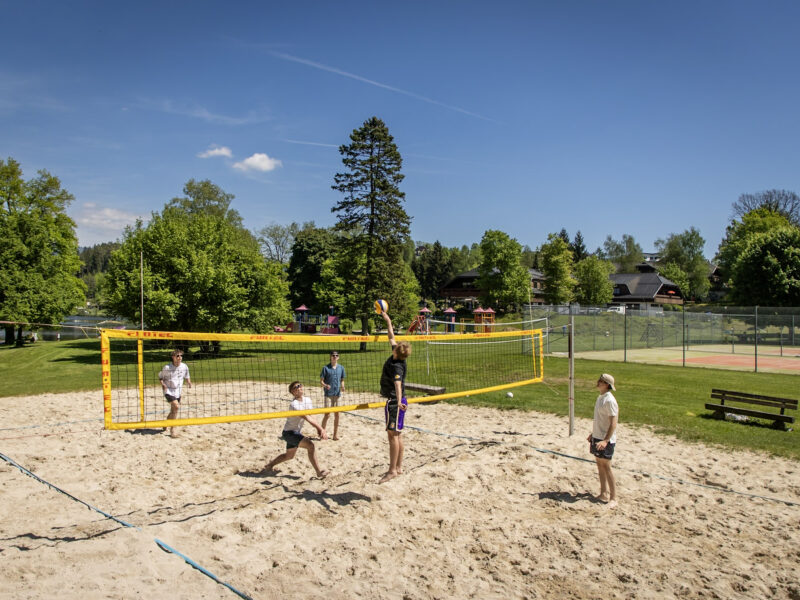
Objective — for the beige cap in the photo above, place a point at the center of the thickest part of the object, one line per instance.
(609, 379)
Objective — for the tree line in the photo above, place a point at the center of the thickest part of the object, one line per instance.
(200, 269)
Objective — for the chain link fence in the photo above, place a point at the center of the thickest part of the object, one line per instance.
(671, 334)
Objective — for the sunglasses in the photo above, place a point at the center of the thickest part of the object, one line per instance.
(336, 355)
(297, 387)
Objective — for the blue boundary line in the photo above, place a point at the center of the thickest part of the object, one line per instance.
(160, 544)
(580, 458)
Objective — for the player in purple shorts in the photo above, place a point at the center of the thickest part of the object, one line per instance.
(393, 378)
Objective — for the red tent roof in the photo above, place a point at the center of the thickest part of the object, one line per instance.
(449, 311)
(488, 310)
(478, 310)
(424, 309)
(302, 307)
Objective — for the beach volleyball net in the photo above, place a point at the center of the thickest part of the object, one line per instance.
(243, 377)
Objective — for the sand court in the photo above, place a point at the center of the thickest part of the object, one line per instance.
(492, 504)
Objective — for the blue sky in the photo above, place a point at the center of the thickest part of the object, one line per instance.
(635, 117)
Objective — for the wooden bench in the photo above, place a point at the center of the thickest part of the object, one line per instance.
(726, 397)
(430, 390)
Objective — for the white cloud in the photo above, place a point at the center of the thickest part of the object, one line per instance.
(258, 162)
(216, 151)
(97, 224)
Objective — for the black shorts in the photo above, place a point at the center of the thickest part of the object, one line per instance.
(292, 439)
(606, 452)
(171, 398)
(394, 417)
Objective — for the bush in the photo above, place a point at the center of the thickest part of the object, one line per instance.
(345, 326)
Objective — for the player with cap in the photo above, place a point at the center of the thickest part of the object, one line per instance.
(603, 438)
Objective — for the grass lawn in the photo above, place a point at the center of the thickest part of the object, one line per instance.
(669, 398)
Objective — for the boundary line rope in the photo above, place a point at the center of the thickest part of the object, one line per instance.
(158, 542)
(579, 458)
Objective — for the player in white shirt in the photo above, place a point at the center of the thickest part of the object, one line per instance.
(603, 438)
(292, 432)
(172, 377)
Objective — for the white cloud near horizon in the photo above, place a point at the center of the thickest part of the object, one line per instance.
(215, 150)
(322, 67)
(97, 224)
(258, 162)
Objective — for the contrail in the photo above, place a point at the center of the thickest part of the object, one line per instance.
(310, 63)
(310, 143)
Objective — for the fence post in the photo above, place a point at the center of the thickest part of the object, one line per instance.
(755, 361)
(683, 334)
(625, 336)
(571, 372)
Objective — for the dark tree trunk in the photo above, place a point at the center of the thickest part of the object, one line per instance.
(9, 334)
(20, 339)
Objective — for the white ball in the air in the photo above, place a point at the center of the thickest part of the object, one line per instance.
(510, 394)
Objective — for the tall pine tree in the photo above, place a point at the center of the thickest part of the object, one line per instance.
(372, 213)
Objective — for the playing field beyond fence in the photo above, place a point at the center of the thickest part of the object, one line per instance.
(765, 340)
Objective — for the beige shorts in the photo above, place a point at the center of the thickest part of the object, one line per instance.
(331, 401)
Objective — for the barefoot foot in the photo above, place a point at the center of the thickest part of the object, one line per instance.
(387, 477)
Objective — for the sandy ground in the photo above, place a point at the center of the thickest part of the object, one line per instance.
(502, 515)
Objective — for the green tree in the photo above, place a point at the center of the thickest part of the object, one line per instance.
(378, 226)
(578, 248)
(530, 258)
(95, 261)
(559, 284)
(759, 220)
(277, 240)
(783, 202)
(686, 251)
(206, 198)
(433, 268)
(625, 254)
(466, 258)
(593, 285)
(202, 272)
(502, 279)
(95, 258)
(676, 275)
(768, 270)
(311, 248)
(39, 260)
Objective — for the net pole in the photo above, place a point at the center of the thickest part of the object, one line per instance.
(140, 374)
(571, 373)
(141, 288)
(105, 360)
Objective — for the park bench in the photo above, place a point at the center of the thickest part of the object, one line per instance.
(430, 390)
(726, 397)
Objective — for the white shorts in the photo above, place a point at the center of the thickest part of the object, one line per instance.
(331, 401)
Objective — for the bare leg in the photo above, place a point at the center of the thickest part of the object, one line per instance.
(312, 457)
(174, 407)
(603, 495)
(324, 423)
(607, 477)
(288, 455)
(336, 426)
(400, 447)
(394, 451)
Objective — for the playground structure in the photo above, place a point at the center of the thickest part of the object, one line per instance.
(307, 323)
(483, 322)
(304, 322)
(420, 324)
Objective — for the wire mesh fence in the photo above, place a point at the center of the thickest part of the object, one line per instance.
(674, 335)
